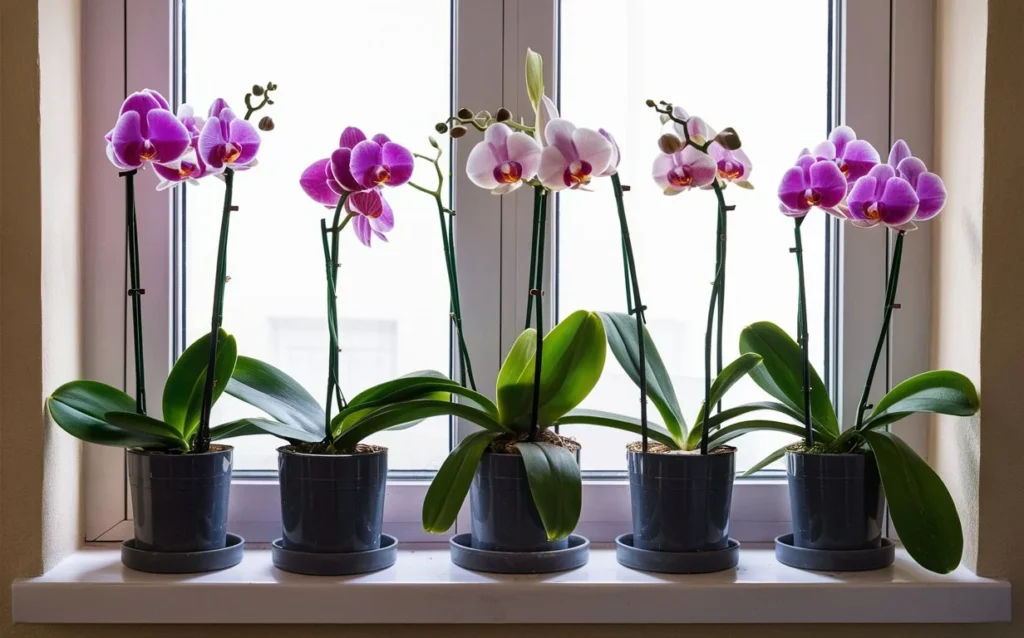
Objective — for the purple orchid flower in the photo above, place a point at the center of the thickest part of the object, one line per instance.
(146, 131)
(812, 183)
(227, 141)
(189, 167)
(574, 156)
(928, 187)
(683, 170)
(733, 166)
(883, 197)
(372, 216)
(855, 158)
(504, 160)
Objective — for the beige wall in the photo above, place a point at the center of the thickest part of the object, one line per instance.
(975, 330)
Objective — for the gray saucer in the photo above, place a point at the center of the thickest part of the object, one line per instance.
(851, 560)
(183, 562)
(341, 564)
(647, 560)
(483, 560)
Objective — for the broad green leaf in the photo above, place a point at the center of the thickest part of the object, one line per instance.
(148, 426)
(618, 422)
(514, 390)
(267, 388)
(424, 388)
(187, 372)
(730, 375)
(716, 420)
(556, 486)
(534, 77)
(735, 430)
(256, 425)
(399, 414)
(80, 409)
(620, 330)
(395, 387)
(941, 391)
(921, 508)
(227, 355)
(768, 460)
(451, 483)
(781, 373)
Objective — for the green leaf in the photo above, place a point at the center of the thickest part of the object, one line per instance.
(146, 425)
(187, 372)
(256, 425)
(940, 391)
(425, 389)
(451, 483)
(267, 388)
(80, 409)
(618, 422)
(534, 78)
(781, 373)
(716, 420)
(399, 414)
(514, 389)
(735, 430)
(921, 508)
(768, 460)
(730, 375)
(556, 486)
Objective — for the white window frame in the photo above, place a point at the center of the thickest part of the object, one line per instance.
(883, 57)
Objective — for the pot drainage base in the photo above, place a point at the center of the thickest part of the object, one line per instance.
(482, 560)
(183, 562)
(337, 564)
(825, 560)
(647, 560)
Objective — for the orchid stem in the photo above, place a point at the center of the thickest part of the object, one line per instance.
(723, 221)
(890, 298)
(715, 291)
(202, 444)
(533, 256)
(639, 308)
(540, 197)
(336, 229)
(802, 336)
(135, 290)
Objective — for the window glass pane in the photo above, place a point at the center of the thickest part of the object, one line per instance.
(722, 61)
(337, 64)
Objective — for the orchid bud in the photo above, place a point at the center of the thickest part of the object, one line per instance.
(669, 144)
(458, 131)
(503, 114)
(651, 103)
(664, 118)
(441, 127)
(729, 139)
(257, 90)
(266, 123)
(433, 142)
(271, 86)
(465, 114)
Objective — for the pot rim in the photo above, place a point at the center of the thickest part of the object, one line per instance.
(284, 450)
(695, 454)
(225, 448)
(866, 453)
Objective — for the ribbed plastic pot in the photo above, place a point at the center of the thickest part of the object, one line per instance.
(681, 502)
(180, 501)
(332, 503)
(504, 516)
(836, 500)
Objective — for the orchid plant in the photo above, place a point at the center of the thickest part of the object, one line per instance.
(845, 177)
(179, 148)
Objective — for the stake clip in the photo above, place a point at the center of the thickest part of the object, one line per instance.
(132, 292)
(536, 292)
(233, 209)
(128, 173)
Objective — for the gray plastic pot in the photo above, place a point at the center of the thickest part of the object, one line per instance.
(332, 503)
(836, 500)
(504, 516)
(180, 501)
(681, 502)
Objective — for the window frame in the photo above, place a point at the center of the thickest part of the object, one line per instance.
(892, 44)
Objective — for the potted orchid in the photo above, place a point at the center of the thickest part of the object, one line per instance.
(179, 480)
(837, 477)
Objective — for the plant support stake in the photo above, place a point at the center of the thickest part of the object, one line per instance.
(135, 291)
(715, 291)
(801, 329)
(540, 198)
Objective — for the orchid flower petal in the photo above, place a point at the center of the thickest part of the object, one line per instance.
(899, 202)
(480, 165)
(594, 148)
(552, 168)
(314, 182)
(828, 181)
(840, 137)
(932, 195)
(899, 152)
(366, 203)
(244, 135)
(559, 134)
(399, 161)
(792, 190)
(361, 227)
(910, 169)
(350, 137)
(858, 158)
(366, 156)
(524, 149)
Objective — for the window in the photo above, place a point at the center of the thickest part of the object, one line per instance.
(603, 59)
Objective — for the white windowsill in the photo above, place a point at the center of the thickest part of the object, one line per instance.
(92, 586)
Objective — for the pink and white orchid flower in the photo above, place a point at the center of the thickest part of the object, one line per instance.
(504, 160)
(697, 129)
(574, 156)
(683, 170)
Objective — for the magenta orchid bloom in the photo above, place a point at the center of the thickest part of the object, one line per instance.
(227, 141)
(504, 160)
(189, 167)
(732, 166)
(883, 197)
(855, 158)
(683, 170)
(574, 156)
(812, 183)
(146, 131)
(928, 187)
(372, 216)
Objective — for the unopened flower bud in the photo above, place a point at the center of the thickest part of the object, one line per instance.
(503, 114)
(465, 114)
(441, 127)
(664, 118)
(266, 123)
(729, 139)
(271, 86)
(669, 143)
(651, 103)
(433, 142)
(257, 90)
(458, 131)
